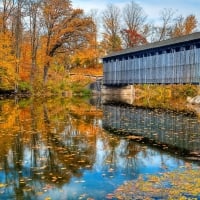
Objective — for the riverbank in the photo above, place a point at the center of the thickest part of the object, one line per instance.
(76, 81)
(73, 82)
(167, 97)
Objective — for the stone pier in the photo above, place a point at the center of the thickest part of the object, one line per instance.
(121, 94)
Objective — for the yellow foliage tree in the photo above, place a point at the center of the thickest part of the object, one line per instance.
(184, 26)
(85, 57)
(7, 61)
(25, 60)
(66, 29)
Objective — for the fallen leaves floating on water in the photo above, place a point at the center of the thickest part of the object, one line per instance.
(2, 185)
(170, 185)
(47, 198)
(134, 137)
(109, 196)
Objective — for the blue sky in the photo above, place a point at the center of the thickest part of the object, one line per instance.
(151, 7)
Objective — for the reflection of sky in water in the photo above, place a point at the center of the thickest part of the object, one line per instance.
(101, 180)
(104, 176)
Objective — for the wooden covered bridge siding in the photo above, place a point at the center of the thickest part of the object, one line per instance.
(174, 61)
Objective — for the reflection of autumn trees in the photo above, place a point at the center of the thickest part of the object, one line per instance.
(67, 143)
(7, 126)
(121, 150)
(71, 148)
(45, 141)
(48, 142)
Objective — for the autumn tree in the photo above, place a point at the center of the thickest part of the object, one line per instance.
(7, 58)
(133, 38)
(6, 11)
(184, 26)
(18, 26)
(65, 29)
(13, 15)
(111, 24)
(34, 27)
(7, 61)
(135, 28)
(87, 55)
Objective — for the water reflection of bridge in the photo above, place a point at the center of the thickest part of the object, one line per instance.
(165, 128)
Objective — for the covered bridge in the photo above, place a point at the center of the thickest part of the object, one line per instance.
(173, 61)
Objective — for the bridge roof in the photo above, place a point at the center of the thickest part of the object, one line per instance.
(164, 43)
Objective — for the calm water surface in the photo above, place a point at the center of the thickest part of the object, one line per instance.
(70, 149)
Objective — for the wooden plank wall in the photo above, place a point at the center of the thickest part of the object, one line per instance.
(174, 67)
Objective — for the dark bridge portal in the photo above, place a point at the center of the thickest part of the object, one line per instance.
(175, 61)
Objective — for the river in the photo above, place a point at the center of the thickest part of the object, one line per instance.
(72, 149)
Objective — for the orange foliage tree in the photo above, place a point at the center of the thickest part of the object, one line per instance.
(7, 57)
(7, 60)
(184, 26)
(66, 29)
(87, 56)
(25, 69)
(133, 38)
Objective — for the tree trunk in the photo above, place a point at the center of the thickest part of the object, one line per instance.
(46, 69)
(33, 70)
(34, 40)
(18, 41)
